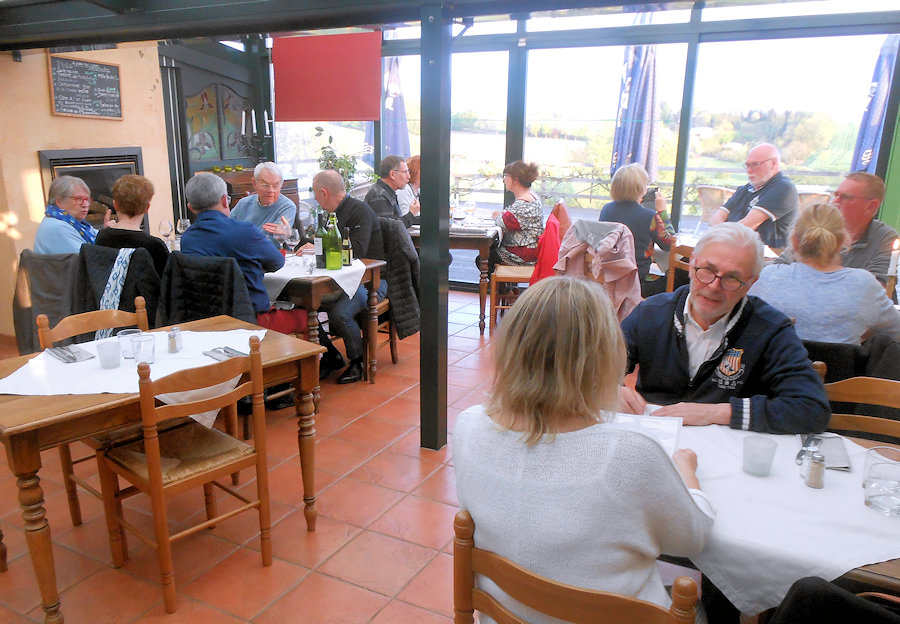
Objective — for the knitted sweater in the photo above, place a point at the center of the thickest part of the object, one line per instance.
(593, 508)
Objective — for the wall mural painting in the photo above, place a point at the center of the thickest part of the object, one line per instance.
(235, 109)
(203, 125)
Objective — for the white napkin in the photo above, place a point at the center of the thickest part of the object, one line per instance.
(45, 375)
(771, 531)
(348, 278)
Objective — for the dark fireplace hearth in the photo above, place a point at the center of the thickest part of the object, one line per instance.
(99, 168)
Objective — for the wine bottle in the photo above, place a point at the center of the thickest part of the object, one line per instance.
(319, 242)
(331, 244)
(346, 248)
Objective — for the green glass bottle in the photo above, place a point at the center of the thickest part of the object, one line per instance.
(319, 240)
(331, 244)
(346, 248)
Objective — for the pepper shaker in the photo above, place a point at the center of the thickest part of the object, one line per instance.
(816, 477)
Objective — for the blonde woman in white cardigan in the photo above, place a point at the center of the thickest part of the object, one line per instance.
(550, 484)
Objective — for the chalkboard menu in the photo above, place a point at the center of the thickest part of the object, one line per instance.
(85, 88)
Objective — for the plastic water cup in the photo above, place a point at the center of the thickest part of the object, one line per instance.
(109, 351)
(125, 336)
(881, 479)
(144, 348)
(759, 451)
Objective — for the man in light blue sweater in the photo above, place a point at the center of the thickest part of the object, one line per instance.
(268, 209)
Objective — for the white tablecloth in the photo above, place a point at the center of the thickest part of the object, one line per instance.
(348, 278)
(45, 375)
(771, 531)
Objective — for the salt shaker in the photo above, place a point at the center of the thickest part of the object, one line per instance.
(175, 340)
(816, 476)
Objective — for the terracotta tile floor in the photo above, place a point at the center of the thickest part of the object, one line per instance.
(380, 551)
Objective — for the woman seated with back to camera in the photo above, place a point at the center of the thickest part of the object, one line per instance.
(648, 226)
(828, 302)
(552, 485)
(131, 199)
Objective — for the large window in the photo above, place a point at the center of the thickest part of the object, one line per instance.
(806, 96)
(570, 130)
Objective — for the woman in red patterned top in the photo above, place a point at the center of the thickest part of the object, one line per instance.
(522, 223)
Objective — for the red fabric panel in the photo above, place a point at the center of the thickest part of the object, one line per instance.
(284, 321)
(547, 251)
(328, 77)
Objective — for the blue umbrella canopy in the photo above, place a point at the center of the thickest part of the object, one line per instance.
(394, 127)
(865, 154)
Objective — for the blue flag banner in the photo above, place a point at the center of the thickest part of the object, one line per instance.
(636, 137)
(865, 154)
(394, 127)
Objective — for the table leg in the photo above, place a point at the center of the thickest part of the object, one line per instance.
(482, 287)
(25, 461)
(312, 324)
(304, 388)
(372, 322)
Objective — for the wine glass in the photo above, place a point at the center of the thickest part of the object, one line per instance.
(292, 239)
(182, 225)
(280, 234)
(166, 230)
(470, 211)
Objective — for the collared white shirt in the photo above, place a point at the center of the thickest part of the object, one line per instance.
(701, 344)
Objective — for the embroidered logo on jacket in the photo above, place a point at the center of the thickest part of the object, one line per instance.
(730, 369)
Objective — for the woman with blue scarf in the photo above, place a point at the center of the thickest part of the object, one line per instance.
(64, 229)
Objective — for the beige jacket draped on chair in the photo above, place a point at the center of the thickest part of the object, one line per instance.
(611, 248)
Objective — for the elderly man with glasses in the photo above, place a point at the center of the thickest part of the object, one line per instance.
(767, 204)
(711, 354)
(382, 197)
(858, 198)
(268, 209)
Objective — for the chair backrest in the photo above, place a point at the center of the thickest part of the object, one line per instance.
(359, 191)
(871, 391)
(196, 379)
(676, 253)
(562, 215)
(555, 599)
(45, 284)
(196, 287)
(890, 286)
(711, 199)
(90, 322)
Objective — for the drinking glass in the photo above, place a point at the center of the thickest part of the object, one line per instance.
(108, 351)
(881, 479)
(759, 451)
(183, 224)
(470, 211)
(125, 336)
(293, 239)
(144, 348)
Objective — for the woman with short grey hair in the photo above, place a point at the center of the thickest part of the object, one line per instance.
(64, 229)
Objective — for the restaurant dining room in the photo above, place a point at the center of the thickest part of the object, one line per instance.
(360, 312)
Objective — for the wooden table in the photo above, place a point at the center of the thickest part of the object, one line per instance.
(476, 242)
(30, 424)
(307, 292)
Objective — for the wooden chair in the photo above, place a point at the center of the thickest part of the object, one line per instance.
(870, 391)
(559, 600)
(385, 325)
(67, 328)
(679, 258)
(166, 463)
(506, 274)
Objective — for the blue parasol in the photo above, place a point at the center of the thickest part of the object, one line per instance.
(865, 154)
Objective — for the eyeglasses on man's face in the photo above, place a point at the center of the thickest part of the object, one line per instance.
(270, 187)
(844, 197)
(728, 282)
(404, 171)
(756, 163)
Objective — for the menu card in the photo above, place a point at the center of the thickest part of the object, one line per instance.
(666, 429)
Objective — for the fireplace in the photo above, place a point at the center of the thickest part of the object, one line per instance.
(99, 168)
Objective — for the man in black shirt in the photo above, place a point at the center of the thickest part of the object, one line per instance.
(365, 237)
(382, 197)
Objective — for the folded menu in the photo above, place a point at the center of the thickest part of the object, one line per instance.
(666, 429)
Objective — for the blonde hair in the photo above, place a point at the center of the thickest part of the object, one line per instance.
(559, 357)
(818, 234)
(629, 183)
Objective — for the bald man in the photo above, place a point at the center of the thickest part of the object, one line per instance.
(768, 203)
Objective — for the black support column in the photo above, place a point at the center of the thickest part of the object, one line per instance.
(434, 250)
